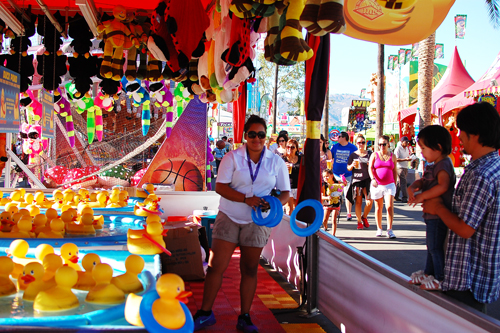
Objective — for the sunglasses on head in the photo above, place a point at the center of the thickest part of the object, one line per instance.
(361, 142)
(253, 134)
(382, 144)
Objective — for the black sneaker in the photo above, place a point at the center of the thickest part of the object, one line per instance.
(245, 324)
(201, 321)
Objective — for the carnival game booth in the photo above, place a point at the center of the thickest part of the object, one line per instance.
(485, 89)
(455, 80)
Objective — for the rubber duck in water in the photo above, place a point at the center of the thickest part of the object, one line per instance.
(85, 279)
(11, 207)
(144, 242)
(146, 190)
(57, 197)
(99, 202)
(42, 250)
(51, 263)
(171, 292)
(7, 287)
(76, 200)
(59, 297)
(68, 196)
(55, 229)
(104, 292)
(33, 278)
(21, 230)
(17, 197)
(129, 281)
(68, 216)
(33, 210)
(41, 201)
(28, 199)
(39, 223)
(84, 193)
(6, 221)
(125, 194)
(51, 214)
(122, 198)
(69, 253)
(85, 227)
(113, 200)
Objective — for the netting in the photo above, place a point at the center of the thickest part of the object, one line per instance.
(123, 148)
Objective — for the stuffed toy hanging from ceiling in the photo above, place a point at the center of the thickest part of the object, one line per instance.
(83, 66)
(19, 61)
(52, 64)
(84, 103)
(117, 38)
(139, 97)
(63, 108)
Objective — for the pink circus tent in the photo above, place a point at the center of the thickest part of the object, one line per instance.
(455, 80)
(484, 85)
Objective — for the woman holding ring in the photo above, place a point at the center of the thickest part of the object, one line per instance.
(384, 173)
(245, 176)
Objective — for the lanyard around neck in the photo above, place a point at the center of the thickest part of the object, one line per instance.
(250, 169)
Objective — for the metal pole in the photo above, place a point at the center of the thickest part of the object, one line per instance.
(8, 140)
(379, 124)
(275, 98)
(312, 275)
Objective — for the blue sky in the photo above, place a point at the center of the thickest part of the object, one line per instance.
(352, 61)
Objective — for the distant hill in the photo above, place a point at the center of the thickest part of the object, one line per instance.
(337, 103)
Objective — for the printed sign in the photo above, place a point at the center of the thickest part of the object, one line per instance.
(334, 135)
(47, 120)
(9, 101)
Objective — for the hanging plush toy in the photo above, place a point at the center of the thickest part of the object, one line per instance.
(161, 93)
(104, 102)
(210, 159)
(63, 108)
(19, 58)
(117, 38)
(139, 96)
(85, 103)
(52, 63)
(33, 107)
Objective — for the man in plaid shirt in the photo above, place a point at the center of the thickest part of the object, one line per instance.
(472, 268)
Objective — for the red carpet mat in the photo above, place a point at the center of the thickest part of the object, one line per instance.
(227, 304)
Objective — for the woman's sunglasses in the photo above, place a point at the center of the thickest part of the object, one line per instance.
(253, 134)
(382, 144)
(290, 147)
(361, 142)
(281, 140)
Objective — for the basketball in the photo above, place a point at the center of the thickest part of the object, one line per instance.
(184, 174)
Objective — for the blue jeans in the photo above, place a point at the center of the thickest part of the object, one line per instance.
(436, 234)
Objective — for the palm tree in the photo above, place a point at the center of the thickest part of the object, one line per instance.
(493, 7)
(425, 74)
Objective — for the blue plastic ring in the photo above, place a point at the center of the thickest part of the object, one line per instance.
(318, 220)
(150, 322)
(275, 214)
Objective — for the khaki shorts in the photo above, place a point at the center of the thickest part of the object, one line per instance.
(251, 234)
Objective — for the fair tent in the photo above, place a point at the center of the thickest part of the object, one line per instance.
(455, 80)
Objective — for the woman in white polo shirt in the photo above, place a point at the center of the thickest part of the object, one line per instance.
(246, 175)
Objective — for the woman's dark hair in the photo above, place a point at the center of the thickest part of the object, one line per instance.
(282, 135)
(436, 138)
(254, 120)
(296, 144)
(386, 138)
(323, 146)
(483, 120)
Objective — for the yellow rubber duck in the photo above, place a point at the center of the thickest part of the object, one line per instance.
(85, 279)
(51, 263)
(42, 250)
(4, 201)
(33, 210)
(76, 200)
(51, 214)
(57, 198)
(129, 281)
(7, 287)
(84, 193)
(85, 227)
(69, 253)
(39, 223)
(29, 198)
(171, 289)
(93, 196)
(11, 207)
(98, 222)
(125, 193)
(23, 227)
(68, 216)
(122, 198)
(140, 244)
(68, 196)
(85, 209)
(100, 201)
(145, 190)
(18, 249)
(60, 297)
(25, 212)
(113, 200)
(104, 292)
(41, 201)
(6, 221)
(17, 197)
(33, 278)
(54, 230)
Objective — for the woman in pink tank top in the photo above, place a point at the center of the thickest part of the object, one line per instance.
(383, 172)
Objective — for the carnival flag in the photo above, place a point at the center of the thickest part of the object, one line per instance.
(391, 62)
(439, 53)
(269, 109)
(460, 22)
(408, 56)
(396, 62)
(414, 51)
(402, 55)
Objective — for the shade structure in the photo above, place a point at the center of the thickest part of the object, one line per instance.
(317, 69)
(466, 97)
(455, 80)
